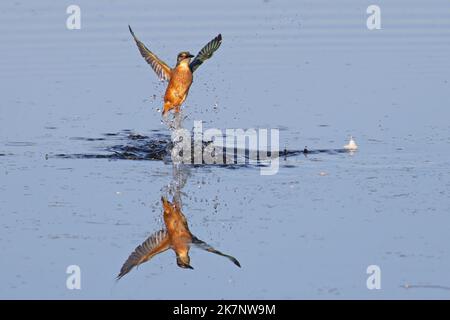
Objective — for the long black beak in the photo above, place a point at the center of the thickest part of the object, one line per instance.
(191, 56)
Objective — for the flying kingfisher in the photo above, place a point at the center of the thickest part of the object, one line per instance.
(176, 236)
(180, 77)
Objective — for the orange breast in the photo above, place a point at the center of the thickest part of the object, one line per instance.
(179, 84)
(177, 227)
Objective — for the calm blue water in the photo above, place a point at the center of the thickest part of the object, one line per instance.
(309, 68)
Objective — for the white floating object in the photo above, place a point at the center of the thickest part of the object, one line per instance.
(351, 144)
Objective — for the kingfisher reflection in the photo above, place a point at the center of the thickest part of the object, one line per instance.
(176, 234)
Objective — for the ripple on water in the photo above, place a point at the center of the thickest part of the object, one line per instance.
(126, 145)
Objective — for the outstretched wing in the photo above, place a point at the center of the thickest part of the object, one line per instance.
(156, 243)
(160, 67)
(203, 245)
(206, 52)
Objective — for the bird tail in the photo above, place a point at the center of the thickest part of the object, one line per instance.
(167, 107)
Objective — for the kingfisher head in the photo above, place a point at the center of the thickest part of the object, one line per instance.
(183, 261)
(184, 56)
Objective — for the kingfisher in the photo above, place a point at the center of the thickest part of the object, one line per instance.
(181, 76)
(175, 236)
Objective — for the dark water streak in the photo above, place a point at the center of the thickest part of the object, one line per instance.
(158, 146)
